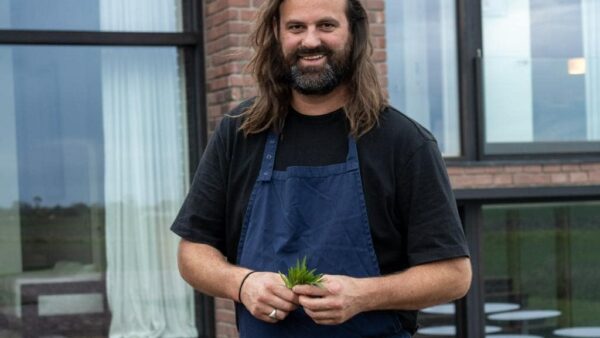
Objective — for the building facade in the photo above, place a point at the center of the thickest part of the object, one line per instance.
(105, 107)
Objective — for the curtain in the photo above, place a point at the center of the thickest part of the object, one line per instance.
(415, 61)
(590, 12)
(451, 137)
(422, 66)
(145, 176)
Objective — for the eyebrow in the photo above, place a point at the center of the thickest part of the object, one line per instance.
(322, 20)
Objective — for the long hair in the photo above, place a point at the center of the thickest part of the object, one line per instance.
(269, 109)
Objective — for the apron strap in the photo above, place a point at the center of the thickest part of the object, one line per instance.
(268, 162)
(352, 151)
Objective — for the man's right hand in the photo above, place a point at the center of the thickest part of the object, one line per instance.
(264, 292)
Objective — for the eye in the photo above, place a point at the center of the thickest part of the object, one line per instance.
(295, 28)
(328, 26)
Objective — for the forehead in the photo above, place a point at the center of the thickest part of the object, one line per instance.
(312, 10)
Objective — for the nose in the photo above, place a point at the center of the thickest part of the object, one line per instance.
(311, 39)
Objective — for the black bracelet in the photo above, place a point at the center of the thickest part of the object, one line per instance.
(242, 284)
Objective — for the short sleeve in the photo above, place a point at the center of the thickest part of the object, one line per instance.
(201, 218)
(433, 228)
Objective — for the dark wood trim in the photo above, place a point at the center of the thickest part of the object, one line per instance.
(470, 317)
(468, 20)
(34, 37)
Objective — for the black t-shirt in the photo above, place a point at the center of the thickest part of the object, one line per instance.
(410, 205)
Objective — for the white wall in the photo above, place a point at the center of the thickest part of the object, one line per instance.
(10, 231)
(507, 74)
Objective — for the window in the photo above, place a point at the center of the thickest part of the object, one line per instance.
(541, 76)
(96, 132)
(92, 15)
(422, 66)
(540, 264)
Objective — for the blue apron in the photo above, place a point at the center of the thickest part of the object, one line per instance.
(320, 213)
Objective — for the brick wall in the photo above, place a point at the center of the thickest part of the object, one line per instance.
(529, 175)
(227, 23)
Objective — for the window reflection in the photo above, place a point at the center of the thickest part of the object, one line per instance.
(541, 74)
(94, 168)
(542, 258)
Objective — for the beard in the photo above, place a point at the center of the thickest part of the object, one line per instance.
(318, 80)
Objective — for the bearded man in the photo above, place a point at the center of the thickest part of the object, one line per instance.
(319, 166)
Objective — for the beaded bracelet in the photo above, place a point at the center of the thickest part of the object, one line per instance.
(242, 284)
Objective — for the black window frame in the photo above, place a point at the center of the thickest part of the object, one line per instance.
(190, 42)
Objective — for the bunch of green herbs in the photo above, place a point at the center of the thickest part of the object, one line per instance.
(299, 275)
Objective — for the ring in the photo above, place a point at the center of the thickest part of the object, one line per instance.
(273, 314)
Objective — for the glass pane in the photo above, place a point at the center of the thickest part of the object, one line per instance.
(542, 74)
(93, 153)
(92, 15)
(541, 267)
(423, 67)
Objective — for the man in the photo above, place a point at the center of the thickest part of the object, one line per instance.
(319, 166)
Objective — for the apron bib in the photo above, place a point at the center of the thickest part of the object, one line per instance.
(320, 213)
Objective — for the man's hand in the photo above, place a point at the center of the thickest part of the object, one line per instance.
(333, 303)
(263, 292)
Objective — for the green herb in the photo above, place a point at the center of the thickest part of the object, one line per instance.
(299, 274)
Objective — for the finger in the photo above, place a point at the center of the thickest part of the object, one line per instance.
(279, 315)
(282, 304)
(287, 295)
(315, 304)
(310, 290)
(323, 317)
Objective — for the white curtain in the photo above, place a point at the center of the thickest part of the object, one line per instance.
(449, 74)
(590, 12)
(415, 61)
(145, 176)
(409, 26)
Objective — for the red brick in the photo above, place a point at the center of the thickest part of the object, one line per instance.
(513, 169)
(559, 178)
(551, 168)
(570, 167)
(455, 170)
(594, 176)
(503, 179)
(529, 179)
(578, 177)
(532, 169)
(590, 166)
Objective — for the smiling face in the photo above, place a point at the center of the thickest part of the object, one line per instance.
(316, 44)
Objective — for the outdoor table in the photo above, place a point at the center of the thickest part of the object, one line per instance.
(449, 309)
(579, 332)
(512, 336)
(450, 330)
(524, 316)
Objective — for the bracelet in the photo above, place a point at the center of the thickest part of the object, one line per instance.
(242, 284)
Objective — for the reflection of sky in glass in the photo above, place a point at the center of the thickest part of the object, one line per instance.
(58, 124)
(551, 103)
(558, 98)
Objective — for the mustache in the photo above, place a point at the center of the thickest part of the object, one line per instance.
(319, 50)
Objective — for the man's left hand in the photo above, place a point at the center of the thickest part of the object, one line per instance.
(336, 301)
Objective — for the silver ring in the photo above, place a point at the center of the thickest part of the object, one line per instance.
(273, 314)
